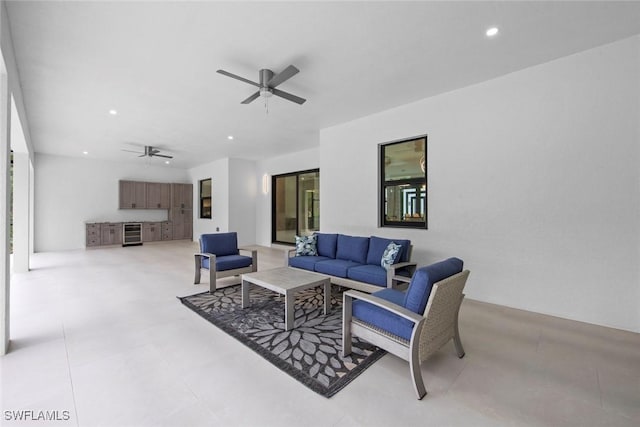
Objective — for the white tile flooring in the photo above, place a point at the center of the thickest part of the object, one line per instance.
(100, 333)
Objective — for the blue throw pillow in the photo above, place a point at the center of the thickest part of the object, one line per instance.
(306, 245)
(390, 254)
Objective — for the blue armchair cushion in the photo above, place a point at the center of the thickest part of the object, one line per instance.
(423, 279)
(377, 246)
(306, 246)
(326, 244)
(228, 262)
(306, 262)
(373, 274)
(219, 244)
(352, 248)
(382, 318)
(335, 267)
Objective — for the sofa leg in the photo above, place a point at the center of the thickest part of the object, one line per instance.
(346, 325)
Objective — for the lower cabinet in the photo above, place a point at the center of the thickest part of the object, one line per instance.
(167, 231)
(117, 233)
(110, 233)
(151, 231)
(93, 234)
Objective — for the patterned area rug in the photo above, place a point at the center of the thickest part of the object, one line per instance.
(310, 352)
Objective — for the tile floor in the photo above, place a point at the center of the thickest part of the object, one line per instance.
(100, 333)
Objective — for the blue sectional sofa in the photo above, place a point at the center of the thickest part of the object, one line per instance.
(355, 262)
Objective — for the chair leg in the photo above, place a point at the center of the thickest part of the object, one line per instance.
(196, 280)
(416, 374)
(212, 279)
(456, 336)
(458, 342)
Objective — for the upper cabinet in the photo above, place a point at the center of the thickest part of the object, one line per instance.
(182, 195)
(158, 195)
(133, 195)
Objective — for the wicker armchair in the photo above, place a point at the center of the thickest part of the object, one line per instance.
(389, 318)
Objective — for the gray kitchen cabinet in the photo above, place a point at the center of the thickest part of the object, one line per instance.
(133, 195)
(151, 231)
(92, 234)
(158, 195)
(111, 233)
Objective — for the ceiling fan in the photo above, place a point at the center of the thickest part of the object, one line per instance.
(150, 151)
(268, 82)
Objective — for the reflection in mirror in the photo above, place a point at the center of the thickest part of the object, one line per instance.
(403, 198)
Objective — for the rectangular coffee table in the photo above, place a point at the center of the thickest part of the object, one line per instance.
(286, 281)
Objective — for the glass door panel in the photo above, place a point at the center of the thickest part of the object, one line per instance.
(285, 208)
(309, 203)
(295, 205)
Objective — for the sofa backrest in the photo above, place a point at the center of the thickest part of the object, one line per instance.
(219, 244)
(352, 248)
(326, 244)
(423, 279)
(377, 245)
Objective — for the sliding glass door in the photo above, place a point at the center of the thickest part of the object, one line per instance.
(295, 205)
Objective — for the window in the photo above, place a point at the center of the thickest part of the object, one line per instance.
(295, 205)
(205, 198)
(403, 183)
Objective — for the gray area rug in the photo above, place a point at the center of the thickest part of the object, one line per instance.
(310, 352)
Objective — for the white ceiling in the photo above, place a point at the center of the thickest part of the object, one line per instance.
(156, 62)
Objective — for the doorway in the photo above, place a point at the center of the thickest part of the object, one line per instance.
(295, 205)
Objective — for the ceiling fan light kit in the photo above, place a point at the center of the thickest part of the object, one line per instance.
(267, 85)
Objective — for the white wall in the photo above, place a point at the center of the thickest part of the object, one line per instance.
(533, 180)
(233, 199)
(243, 190)
(298, 161)
(218, 171)
(70, 191)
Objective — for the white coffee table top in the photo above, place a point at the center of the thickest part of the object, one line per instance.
(284, 278)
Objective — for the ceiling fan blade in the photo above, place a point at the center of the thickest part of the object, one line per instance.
(162, 155)
(288, 96)
(283, 76)
(131, 151)
(233, 76)
(251, 98)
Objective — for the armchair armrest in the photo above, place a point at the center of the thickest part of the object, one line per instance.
(389, 306)
(254, 257)
(392, 272)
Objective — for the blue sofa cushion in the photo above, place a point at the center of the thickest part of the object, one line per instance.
(219, 244)
(306, 262)
(373, 274)
(353, 248)
(335, 267)
(423, 279)
(382, 318)
(306, 245)
(377, 246)
(326, 244)
(228, 262)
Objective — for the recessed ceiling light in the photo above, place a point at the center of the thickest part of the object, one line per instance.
(230, 137)
(492, 32)
(167, 162)
(85, 152)
(113, 112)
